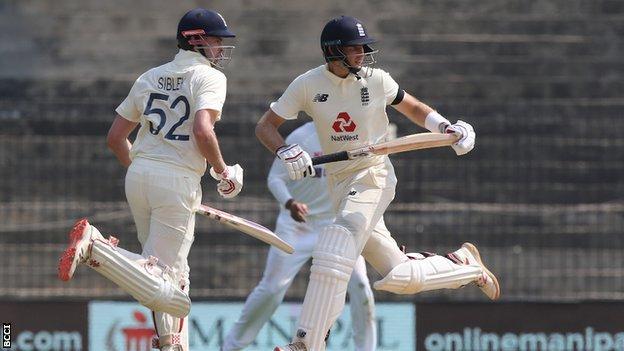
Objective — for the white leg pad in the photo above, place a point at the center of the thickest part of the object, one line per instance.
(431, 273)
(150, 284)
(333, 260)
(171, 330)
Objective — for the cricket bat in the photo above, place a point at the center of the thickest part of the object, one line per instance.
(246, 226)
(406, 143)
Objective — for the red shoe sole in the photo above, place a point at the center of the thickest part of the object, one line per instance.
(65, 270)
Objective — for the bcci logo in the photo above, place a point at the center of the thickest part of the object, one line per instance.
(6, 335)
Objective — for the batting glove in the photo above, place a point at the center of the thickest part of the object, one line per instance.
(230, 181)
(466, 135)
(297, 162)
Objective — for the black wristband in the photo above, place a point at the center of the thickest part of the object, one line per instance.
(289, 203)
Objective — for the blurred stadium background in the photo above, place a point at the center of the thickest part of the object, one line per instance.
(542, 81)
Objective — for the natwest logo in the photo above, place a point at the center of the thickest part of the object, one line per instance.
(343, 123)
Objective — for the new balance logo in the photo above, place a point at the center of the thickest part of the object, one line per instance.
(352, 192)
(320, 97)
(343, 123)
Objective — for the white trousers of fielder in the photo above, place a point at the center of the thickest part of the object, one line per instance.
(279, 272)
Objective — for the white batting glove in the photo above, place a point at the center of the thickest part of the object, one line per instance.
(230, 180)
(466, 135)
(297, 161)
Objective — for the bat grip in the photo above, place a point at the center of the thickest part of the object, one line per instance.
(337, 156)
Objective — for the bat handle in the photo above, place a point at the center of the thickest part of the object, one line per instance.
(337, 156)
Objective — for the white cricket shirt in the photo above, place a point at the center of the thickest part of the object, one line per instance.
(164, 100)
(311, 191)
(347, 112)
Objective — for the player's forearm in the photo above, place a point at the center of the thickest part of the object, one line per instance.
(268, 135)
(280, 191)
(419, 113)
(121, 150)
(414, 109)
(117, 139)
(276, 182)
(209, 148)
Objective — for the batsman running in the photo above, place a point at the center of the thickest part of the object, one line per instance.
(347, 100)
(305, 209)
(176, 105)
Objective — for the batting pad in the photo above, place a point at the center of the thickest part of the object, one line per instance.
(333, 261)
(171, 330)
(431, 273)
(140, 277)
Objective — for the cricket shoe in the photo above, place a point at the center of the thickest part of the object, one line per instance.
(487, 282)
(296, 346)
(80, 238)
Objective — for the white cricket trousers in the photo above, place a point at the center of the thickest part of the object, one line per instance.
(163, 199)
(279, 272)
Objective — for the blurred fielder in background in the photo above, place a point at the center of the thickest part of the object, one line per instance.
(177, 105)
(305, 209)
(347, 101)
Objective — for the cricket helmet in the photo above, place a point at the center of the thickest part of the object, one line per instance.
(198, 24)
(344, 31)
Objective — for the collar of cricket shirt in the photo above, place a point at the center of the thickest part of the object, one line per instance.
(185, 57)
(337, 80)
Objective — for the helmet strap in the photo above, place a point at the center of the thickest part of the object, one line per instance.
(352, 70)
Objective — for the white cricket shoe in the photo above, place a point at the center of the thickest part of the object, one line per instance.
(487, 282)
(296, 346)
(80, 238)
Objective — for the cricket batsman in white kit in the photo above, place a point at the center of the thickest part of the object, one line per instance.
(176, 105)
(305, 209)
(347, 101)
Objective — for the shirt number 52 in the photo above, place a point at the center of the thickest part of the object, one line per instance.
(170, 135)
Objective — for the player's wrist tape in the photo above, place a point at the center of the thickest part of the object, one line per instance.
(279, 148)
(436, 123)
